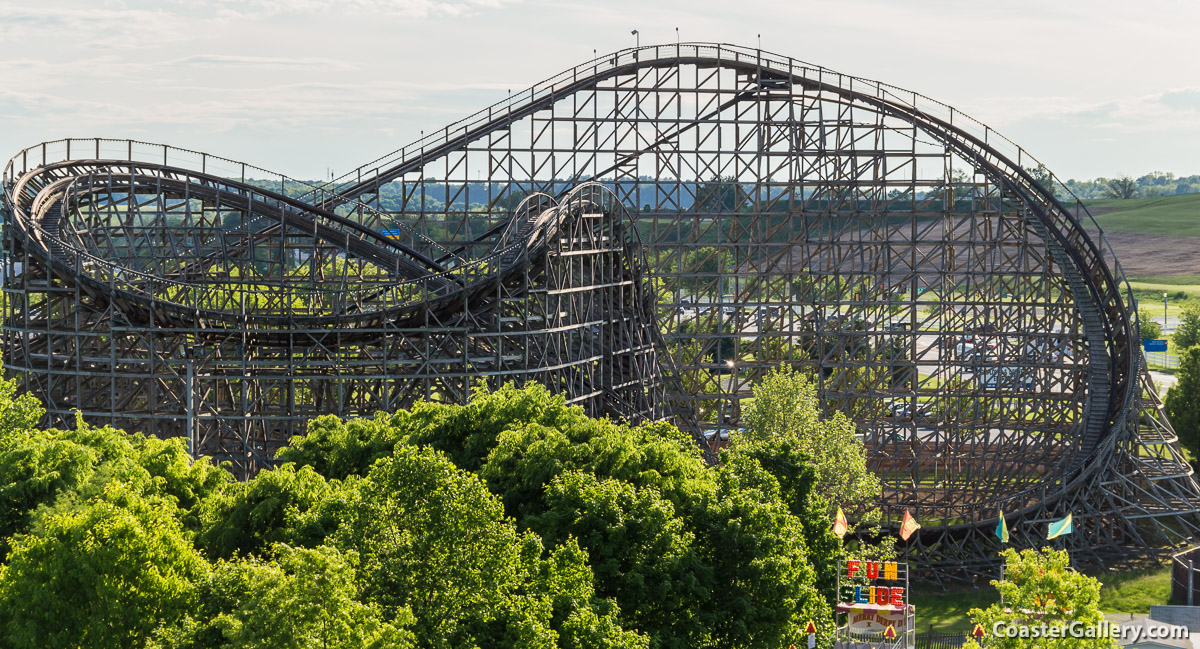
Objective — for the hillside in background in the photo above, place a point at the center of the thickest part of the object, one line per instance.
(1166, 215)
(1155, 239)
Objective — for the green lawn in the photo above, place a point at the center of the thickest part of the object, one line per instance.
(1169, 215)
(1170, 282)
(1127, 592)
(1149, 294)
(1182, 292)
(1134, 592)
(946, 611)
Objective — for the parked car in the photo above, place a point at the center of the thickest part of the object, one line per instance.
(1006, 377)
(906, 410)
(1046, 351)
(977, 360)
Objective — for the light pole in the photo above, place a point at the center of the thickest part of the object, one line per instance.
(729, 390)
(637, 37)
(1164, 313)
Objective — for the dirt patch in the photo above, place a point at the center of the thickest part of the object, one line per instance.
(1155, 254)
(1097, 210)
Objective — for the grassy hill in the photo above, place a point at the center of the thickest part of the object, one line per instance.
(1167, 215)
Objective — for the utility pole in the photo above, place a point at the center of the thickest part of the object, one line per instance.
(191, 406)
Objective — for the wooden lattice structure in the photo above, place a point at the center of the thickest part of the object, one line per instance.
(179, 303)
(930, 273)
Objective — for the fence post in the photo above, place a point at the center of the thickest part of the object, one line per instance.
(1191, 578)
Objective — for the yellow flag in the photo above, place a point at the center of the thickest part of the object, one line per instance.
(840, 526)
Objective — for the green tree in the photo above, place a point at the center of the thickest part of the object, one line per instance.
(37, 468)
(34, 469)
(783, 458)
(1039, 587)
(651, 456)
(1182, 402)
(785, 406)
(337, 449)
(721, 194)
(283, 505)
(435, 542)
(1147, 327)
(1122, 188)
(718, 584)
(763, 585)
(1043, 177)
(155, 467)
(1188, 332)
(18, 412)
(104, 572)
(639, 549)
(638, 502)
(300, 598)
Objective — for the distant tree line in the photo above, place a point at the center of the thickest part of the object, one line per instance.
(1151, 185)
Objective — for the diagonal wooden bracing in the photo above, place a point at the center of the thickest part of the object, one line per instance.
(177, 311)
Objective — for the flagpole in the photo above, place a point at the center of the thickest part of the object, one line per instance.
(1002, 565)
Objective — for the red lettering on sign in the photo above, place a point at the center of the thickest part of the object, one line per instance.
(852, 567)
(872, 570)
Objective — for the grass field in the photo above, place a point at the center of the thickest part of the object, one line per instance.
(1177, 292)
(1181, 290)
(1127, 592)
(946, 611)
(1167, 215)
(1134, 592)
(1172, 282)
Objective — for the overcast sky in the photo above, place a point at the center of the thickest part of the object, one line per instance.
(1091, 87)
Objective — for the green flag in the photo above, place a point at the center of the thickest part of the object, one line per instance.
(1058, 528)
(1002, 529)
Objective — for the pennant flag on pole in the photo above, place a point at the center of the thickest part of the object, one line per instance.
(1002, 528)
(840, 526)
(1058, 528)
(909, 526)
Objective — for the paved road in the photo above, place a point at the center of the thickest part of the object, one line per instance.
(1163, 380)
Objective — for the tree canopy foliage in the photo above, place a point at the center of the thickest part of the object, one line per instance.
(1188, 332)
(1147, 327)
(1040, 588)
(1149, 185)
(786, 409)
(1182, 402)
(511, 521)
(819, 463)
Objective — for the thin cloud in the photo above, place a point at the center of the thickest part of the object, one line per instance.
(89, 27)
(401, 8)
(1186, 99)
(225, 60)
